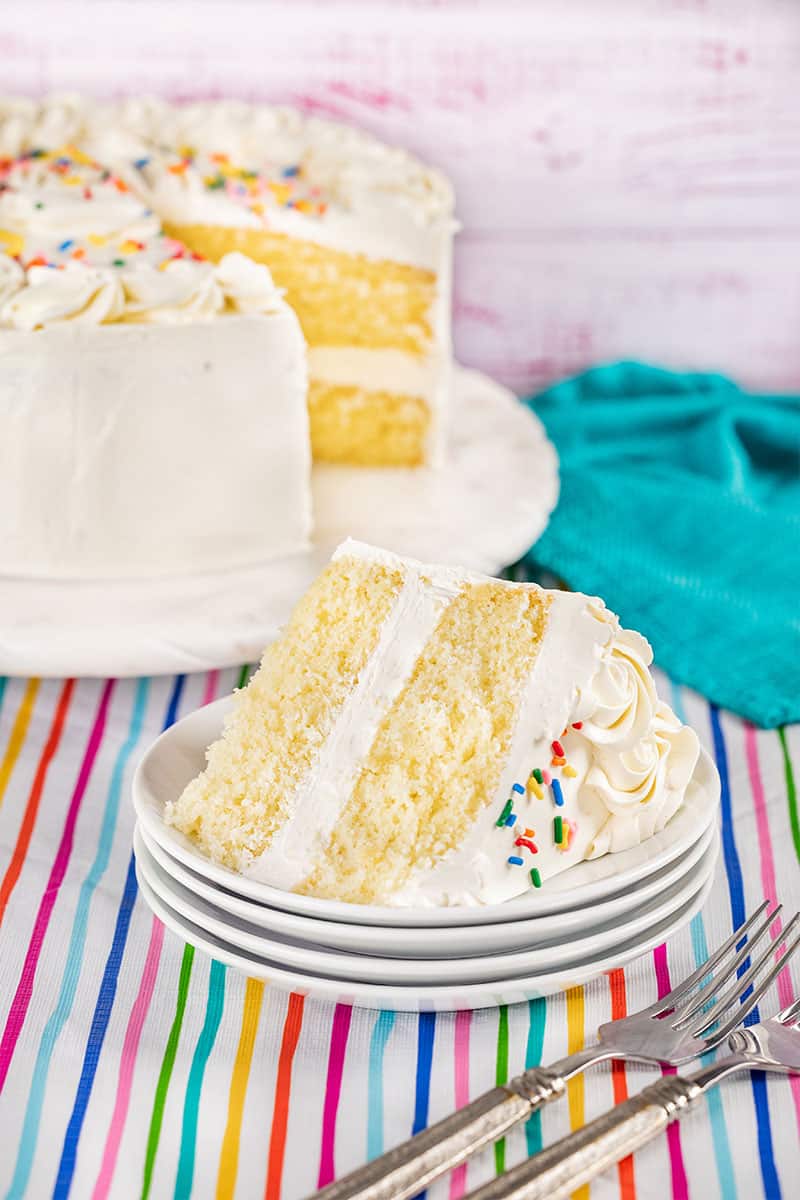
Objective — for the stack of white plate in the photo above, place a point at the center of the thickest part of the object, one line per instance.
(592, 918)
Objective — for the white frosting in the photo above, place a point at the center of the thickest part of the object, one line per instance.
(632, 759)
(170, 450)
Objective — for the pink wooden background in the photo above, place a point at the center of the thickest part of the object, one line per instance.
(628, 171)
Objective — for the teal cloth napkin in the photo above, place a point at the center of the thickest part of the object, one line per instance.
(680, 506)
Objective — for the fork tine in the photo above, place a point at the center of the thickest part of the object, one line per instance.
(788, 1014)
(758, 991)
(703, 998)
(703, 970)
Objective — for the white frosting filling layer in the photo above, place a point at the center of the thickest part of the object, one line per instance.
(318, 803)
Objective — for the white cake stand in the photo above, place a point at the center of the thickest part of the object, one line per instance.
(483, 510)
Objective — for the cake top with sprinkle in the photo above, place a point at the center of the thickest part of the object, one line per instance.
(78, 242)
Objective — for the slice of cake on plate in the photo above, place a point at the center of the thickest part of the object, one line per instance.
(420, 735)
(358, 233)
(152, 404)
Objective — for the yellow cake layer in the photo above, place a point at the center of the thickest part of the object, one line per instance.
(341, 299)
(367, 428)
(285, 714)
(438, 754)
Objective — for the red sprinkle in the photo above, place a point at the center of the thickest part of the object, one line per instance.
(558, 750)
(577, 724)
(529, 845)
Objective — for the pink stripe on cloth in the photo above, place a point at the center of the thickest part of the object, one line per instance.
(680, 1184)
(22, 996)
(333, 1087)
(130, 1050)
(136, 1020)
(458, 1180)
(768, 883)
(210, 690)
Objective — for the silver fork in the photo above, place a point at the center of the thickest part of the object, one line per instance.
(773, 1045)
(674, 1030)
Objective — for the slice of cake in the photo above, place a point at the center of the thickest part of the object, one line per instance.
(152, 404)
(359, 234)
(424, 736)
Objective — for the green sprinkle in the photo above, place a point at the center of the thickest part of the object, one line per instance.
(507, 807)
(38, 204)
(217, 182)
(537, 775)
(558, 830)
(536, 878)
(118, 262)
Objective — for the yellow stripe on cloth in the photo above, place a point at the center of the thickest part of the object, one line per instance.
(19, 732)
(229, 1155)
(575, 1090)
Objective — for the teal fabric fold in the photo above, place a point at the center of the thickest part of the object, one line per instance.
(680, 506)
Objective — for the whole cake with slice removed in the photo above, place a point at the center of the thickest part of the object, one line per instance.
(357, 234)
(420, 735)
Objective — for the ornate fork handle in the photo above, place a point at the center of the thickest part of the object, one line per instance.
(408, 1169)
(556, 1172)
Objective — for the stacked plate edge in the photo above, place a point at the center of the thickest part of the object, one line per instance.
(592, 918)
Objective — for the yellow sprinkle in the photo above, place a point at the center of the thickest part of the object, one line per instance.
(129, 247)
(97, 239)
(535, 788)
(71, 180)
(11, 243)
(280, 191)
(570, 772)
(186, 151)
(78, 156)
(258, 209)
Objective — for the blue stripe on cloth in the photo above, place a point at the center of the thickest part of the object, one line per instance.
(97, 1033)
(194, 1085)
(426, 1030)
(384, 1024)
(537, 1017)
(74, 961)
(733, 870)
(104, 1004)
(716, 1112)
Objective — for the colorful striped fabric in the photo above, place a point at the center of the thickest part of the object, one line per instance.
(131, 1066)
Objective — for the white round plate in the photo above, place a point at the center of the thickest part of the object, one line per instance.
(387, 942)
(482, 509)
(179, 754)
(426, 998)
(305, 956)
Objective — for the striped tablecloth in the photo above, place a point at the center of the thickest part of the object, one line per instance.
(132, 1066)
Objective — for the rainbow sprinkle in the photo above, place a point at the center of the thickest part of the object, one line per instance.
(511, 819)
(515, 861)
(517, 787)
(570, 772)
(535, 788)
(558, 795)
(536, 878)
(505, 814)
(558, 830)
